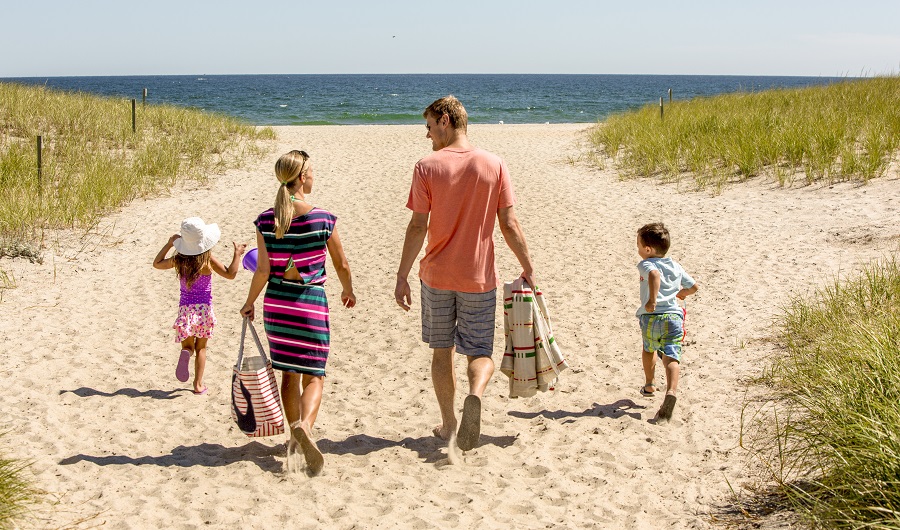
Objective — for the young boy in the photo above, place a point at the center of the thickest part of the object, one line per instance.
(662, 319)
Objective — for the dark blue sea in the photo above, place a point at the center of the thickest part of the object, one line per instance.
(400, 99)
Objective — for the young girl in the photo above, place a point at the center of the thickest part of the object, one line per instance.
(293, 239)
(194, 265)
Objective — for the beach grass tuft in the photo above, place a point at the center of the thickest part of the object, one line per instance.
(848, 130)
(92, 161)
(16, 494)
(831, 439)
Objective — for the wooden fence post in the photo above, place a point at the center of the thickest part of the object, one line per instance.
(133, 116)
(40, 148)
(144, 101)
(660, 109)
(670, 95)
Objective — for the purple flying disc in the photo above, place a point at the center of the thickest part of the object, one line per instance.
(249, 260)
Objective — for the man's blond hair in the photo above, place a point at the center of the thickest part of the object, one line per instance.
(450, 106)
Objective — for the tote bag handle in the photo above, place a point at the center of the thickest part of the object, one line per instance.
(259, 346)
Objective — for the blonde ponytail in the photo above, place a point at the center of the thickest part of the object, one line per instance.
(288, 169)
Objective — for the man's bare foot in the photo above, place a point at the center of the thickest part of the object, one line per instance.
(314, 459)
(444, 433)
(470, 425)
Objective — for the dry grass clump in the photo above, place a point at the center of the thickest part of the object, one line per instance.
(844, 131)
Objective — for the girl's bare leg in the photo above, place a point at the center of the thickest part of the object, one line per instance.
(199, 363)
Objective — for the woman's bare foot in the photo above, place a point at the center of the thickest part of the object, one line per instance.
(314, 459)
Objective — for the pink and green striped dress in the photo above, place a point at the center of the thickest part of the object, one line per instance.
(295, 312)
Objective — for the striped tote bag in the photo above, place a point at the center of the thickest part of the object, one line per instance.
(255, 403)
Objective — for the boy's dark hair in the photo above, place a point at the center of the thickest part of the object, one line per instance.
(655, 235)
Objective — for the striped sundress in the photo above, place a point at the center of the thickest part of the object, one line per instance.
(295, 312)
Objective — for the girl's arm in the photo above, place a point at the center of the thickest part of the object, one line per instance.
(260, 277)
(161, 262)
(342, 267)
(232, 269)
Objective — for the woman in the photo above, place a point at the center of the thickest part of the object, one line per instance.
(292, 238)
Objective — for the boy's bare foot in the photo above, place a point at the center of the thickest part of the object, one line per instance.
(665, 411)
(314, 459)
(648, 390)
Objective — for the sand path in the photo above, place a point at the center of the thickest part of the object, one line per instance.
(92, 399)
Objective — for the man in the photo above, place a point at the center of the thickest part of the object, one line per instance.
(456, 194)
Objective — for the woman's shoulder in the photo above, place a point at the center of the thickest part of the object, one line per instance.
(268, 215)
(321, 212)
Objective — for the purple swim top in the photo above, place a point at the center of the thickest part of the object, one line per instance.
(199, 293)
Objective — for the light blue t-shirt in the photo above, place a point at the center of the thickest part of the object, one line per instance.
(672, 278)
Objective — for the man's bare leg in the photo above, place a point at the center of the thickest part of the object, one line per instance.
(479, 371)
(443, 377)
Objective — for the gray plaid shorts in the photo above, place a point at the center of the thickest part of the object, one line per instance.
(463, 319)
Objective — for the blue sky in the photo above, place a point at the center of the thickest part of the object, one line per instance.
(762, 37)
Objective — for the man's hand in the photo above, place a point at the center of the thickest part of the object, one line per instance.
(402, 293)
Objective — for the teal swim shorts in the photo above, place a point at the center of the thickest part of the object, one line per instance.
(663, 334)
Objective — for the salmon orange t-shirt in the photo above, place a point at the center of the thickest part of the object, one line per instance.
(461, 190)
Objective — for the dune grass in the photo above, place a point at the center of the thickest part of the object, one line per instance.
(92, 161)
(831, 440)
(844, 131)
(16, 494)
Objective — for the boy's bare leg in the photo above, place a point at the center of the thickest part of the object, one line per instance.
(648, 359)
(443, 378)
(673, 371)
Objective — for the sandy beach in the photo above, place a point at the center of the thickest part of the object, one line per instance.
(115, 440)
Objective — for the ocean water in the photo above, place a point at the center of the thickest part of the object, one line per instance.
(400, 99)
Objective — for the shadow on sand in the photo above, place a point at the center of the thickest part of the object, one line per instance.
(205, 454)
(128, 392)
(429, 448)
(613, 411)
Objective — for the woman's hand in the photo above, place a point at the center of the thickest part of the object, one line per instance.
(248, 311)
(348, 299)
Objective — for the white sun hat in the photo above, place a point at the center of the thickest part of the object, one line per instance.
(196, 237)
